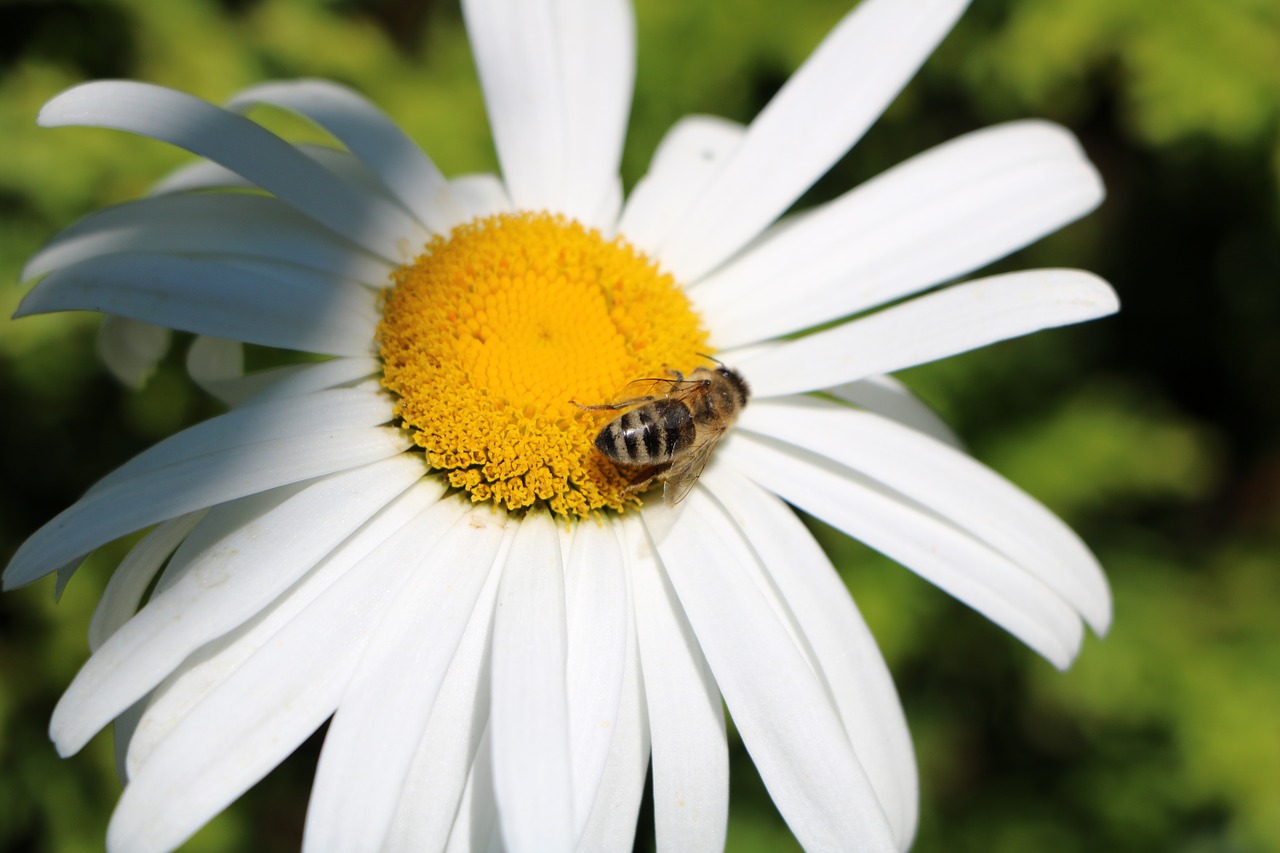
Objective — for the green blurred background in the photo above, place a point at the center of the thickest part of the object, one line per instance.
(1153, 433)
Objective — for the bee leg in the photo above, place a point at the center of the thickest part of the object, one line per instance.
(644, 477)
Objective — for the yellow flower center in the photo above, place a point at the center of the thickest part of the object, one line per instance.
(492, 335)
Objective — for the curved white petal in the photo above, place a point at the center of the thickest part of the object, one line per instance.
(529, 720)
(194, 483)
(824, 108)
(557, 78)
(215, 663)
(896, 526)
(686, 720)
(936, 217)
(212, 362)
(596, 647)
(206, 175)
(131, 579)
(284, 307)
(611, 824)
(689, 156)
(848, 659)
(431, 795)
(475, 829)
(269, 705)
(384, 711)
(929, 327)
(950, 483)
(782, 710)
(888, 397)
(131, 349)
(223, 586)
(239, 224)
(244, 147)
(405, 170)
(298, 380)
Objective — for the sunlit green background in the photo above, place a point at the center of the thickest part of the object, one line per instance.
(1153, 433)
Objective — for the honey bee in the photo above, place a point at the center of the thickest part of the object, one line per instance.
(666, 437)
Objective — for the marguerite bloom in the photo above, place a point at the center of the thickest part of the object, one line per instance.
(417, 536)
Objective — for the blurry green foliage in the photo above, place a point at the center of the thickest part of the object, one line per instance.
(1154, 433)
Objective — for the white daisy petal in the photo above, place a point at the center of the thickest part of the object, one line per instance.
(131, 579)
(242, 146)
(941, 215)
(215, 663)
(688, 157)
(480, 196)
(824, 108)
(888, 397)
(269, 705)
(514, 45)
(210, 224)
(557, 78)
(223, 587)
(849, 660)
(376, 141)
(214, 361)
(953, 485)
(183, 477)
(130, 349)
(532, 766)
(779, 705)
(929, 327)
(611, 824)
(300, 415)
(475, 829)
(431, 795)
(596, 610)
(308, 311)
(686, 720)
(941, 553)
(596, 49)
(380, 721)
(295, 380)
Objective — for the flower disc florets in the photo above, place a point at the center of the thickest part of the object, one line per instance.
(493, 335)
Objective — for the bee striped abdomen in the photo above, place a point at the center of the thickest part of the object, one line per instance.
(648, 435)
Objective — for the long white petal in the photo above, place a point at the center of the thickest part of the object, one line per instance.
(475, 829)
(888, 397)
(596, 47)
(896, 526)
(210, 224)
(557, 78)
(384, 711)
(280, 306)
(269, 705)
(596, 609)
(689, 156)
(222, 588)
(529, 722)
(817, 116)
(131, 579)
(611, 824)
(131, 349)
(848, 659)
(686, 720)
(949, 483)
(198, 481)
(242, 146)
(376, 141)
(205, 671)
(295, 380)
(783, 711)
(480, 196)
(929, 327)
(934, 218)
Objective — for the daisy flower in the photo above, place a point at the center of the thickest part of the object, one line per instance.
(416, 536)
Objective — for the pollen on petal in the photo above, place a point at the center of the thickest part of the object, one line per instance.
(493, 336)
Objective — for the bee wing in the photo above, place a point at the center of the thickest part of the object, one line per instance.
(685, 471)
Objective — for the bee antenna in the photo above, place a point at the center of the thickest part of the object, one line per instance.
(710, 358)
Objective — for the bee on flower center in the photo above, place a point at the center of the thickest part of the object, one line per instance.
(667, 436)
